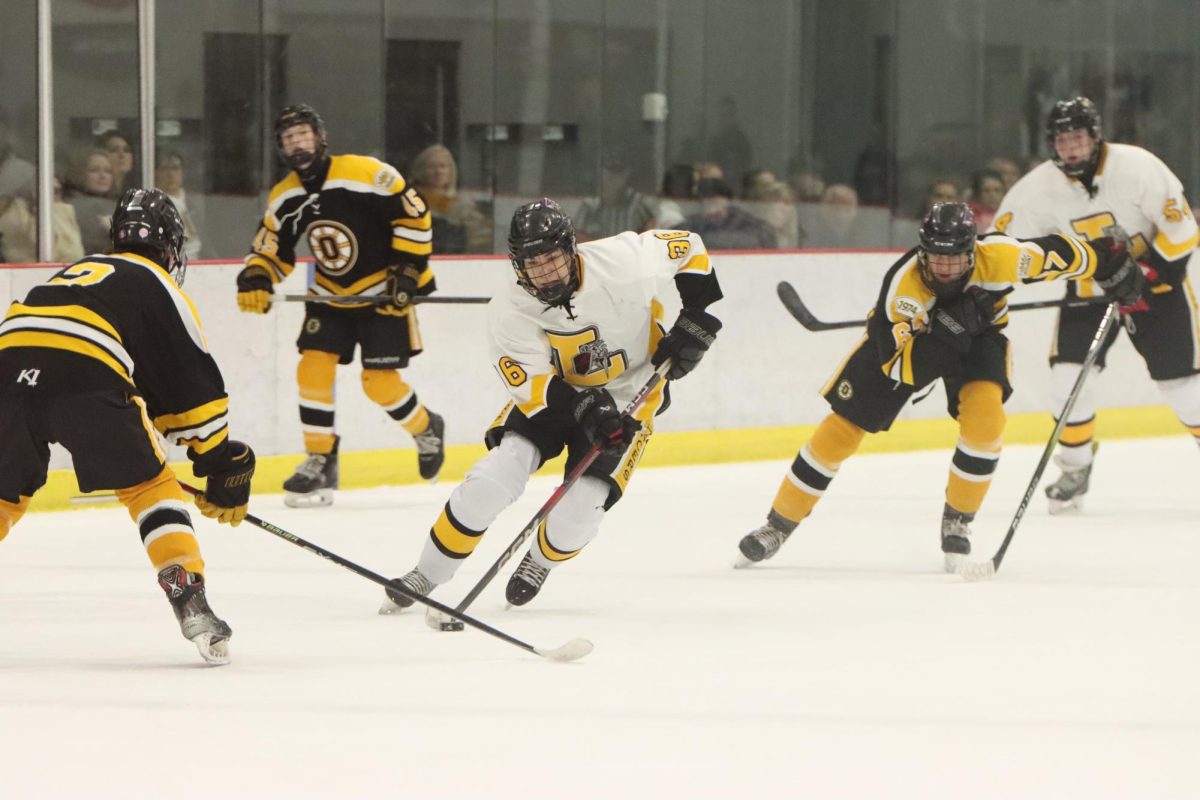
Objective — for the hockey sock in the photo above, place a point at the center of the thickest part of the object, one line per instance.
(10, 513)
(161, 513)
(1075, 441)
(491, 486)
(981, 422)
(572, 523)
(388, 389)
(835, 440)
(316, 374)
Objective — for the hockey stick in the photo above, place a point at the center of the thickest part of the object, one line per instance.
(436, 621)
(795, 306)
(374, 298)
(572, 650)
(984, 570)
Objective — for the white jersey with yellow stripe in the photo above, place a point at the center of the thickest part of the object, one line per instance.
(1133, 189)
(611, 327)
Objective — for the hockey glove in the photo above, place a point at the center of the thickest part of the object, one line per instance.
(1117, 273)
(596, 413)
(687, 342)
(254, 291)
(960, 320)
(402, 284)
(229, 469)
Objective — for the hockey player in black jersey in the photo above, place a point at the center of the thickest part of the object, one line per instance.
(369, 233)
(103, 358)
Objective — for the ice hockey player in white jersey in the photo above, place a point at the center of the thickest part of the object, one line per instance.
(1093, 188)
(573, 339)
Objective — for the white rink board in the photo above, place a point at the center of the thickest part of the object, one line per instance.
(765, 369)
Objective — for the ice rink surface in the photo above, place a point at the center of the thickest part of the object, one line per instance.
(849, 666)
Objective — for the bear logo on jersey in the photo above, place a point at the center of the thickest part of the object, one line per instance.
(333, 245)
(312, 325)
(845, 390)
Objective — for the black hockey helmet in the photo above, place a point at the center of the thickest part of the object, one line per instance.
(1078, 113)
(542, 227)
(948, 229)
(301, 114)
(146, 222)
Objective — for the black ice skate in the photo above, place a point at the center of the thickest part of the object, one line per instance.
(314, 480)
(1066, 493)
(762, 543)
(526, 582)
(431, 448)
(197, 622)
(416, 582)
(956, 542)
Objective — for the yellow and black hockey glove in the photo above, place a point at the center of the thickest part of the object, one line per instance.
(402, 284)
(229, 468)
(253, 291)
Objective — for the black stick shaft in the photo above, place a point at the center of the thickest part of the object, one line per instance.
(378, 299)
(394, 585)
(801, 313)
(1106, 324)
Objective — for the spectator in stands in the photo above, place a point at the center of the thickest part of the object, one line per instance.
(709, 169)
(771, 201)
(169, 176)
(458, 224)
(987, 190)
(619, 207)
(679, 183)
(120, 153)
(17, 176)
(807, 186)
(836, 216)
(19, 229)
(941, 190)
(1008, 170)
(724, 226)
(93, 181)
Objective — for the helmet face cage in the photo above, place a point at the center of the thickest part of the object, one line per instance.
(948, 229)
(147, 220)
(300, 114)
(1078, 113)
(538, 228)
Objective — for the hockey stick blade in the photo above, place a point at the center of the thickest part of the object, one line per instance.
(975, 571)
(795, 306)
(576, 648)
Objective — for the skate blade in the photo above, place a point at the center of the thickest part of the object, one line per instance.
(390, 607)
(213, 649)
(953, 562)
(1072, 506)
(741, 562)
(318, 499)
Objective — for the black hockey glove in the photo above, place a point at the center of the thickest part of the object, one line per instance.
(229, 469)
(960, 320)
(1117, 273)
(687, 342)
(402, 284)
(253, 291)
(596, 413)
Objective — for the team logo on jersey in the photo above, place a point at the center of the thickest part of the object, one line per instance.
(845, 390)
(333, 245)
(29, 376)
(386, 177)
(592, 357)
(908, 307)
(312, 325)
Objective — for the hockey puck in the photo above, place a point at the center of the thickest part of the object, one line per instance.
(452, 625)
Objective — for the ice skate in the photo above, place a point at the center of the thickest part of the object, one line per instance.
(759, 545)
(197, 622)
(431, 448)
(956, 542)
(1065, 495)
(313, 483)
(416, 582)
(526, 582)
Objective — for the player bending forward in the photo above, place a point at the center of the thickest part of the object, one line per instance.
(1091, 188)
(573, 339)
(96, 359)
(940, 314)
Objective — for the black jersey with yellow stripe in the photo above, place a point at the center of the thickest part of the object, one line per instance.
(358, 219)
(898, 323)
(118, 322)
